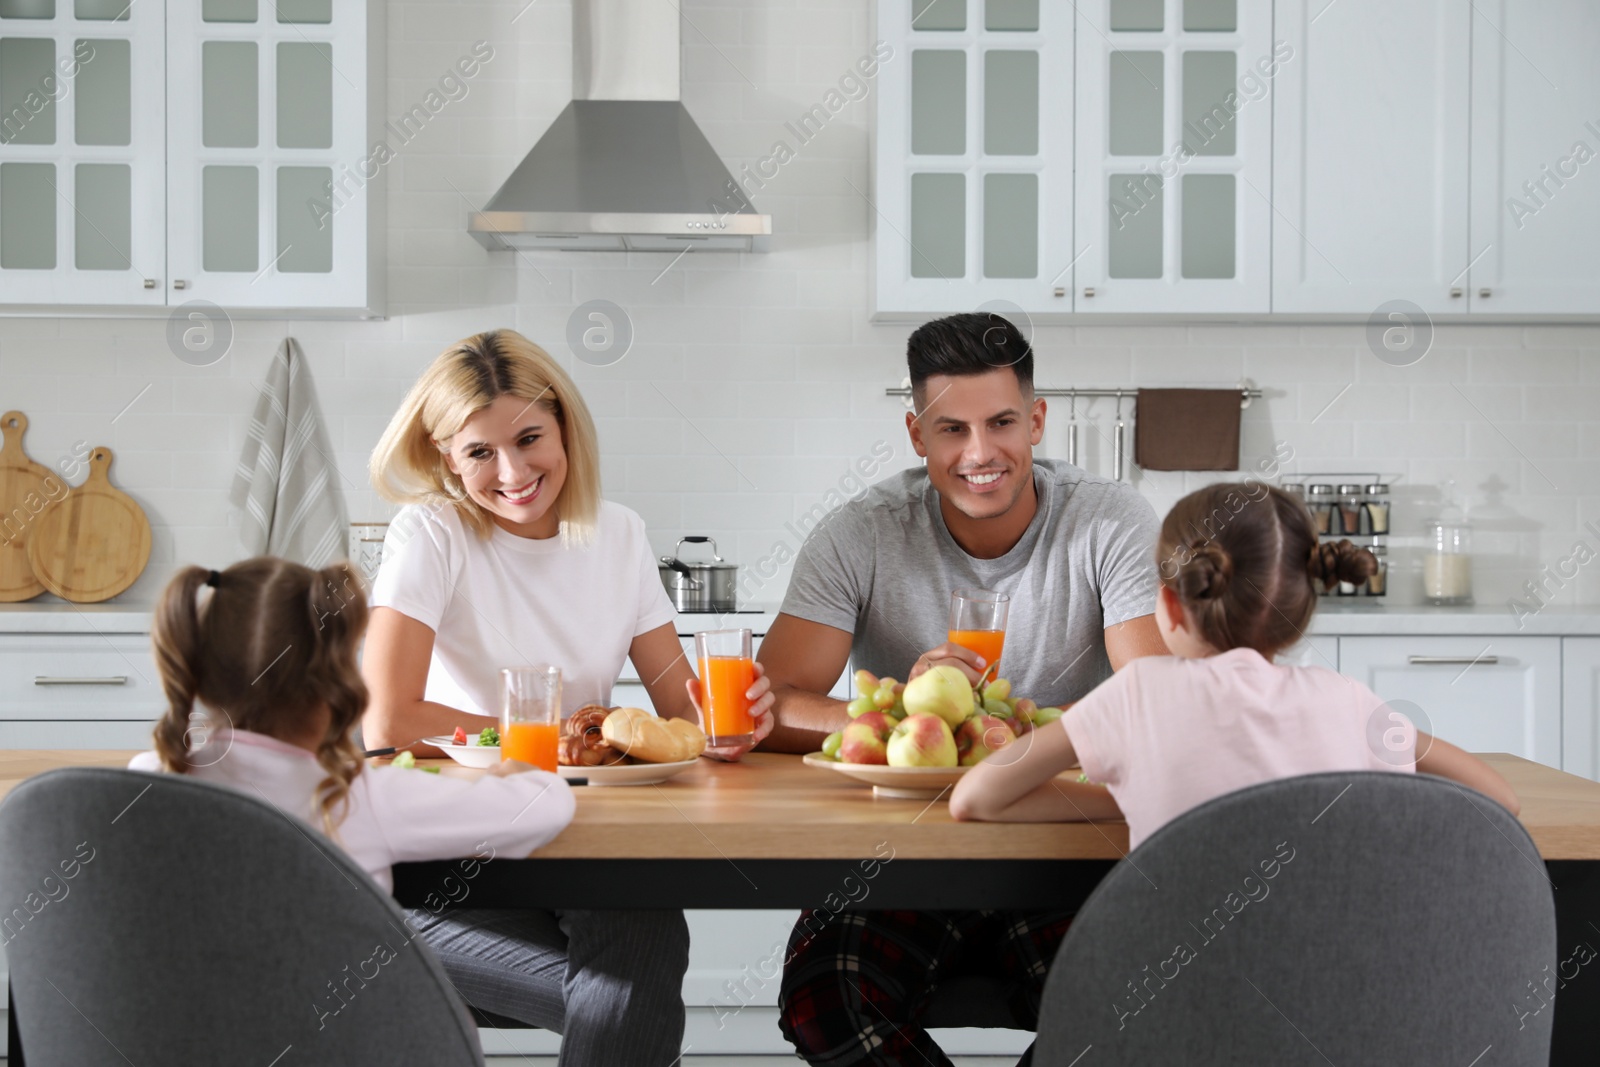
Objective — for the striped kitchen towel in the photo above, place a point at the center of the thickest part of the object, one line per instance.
(286, 481)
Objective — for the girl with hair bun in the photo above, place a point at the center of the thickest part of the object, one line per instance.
(265, 653)
(1239, 565)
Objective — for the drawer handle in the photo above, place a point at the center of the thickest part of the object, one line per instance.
(629, 681)
(115, 679)
(1451, 661)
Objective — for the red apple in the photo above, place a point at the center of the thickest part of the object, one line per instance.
(922, 740)
(863, 740)
(981, 735)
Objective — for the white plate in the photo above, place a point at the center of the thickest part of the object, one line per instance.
(913, 783)
(628, 773)
(469, 755)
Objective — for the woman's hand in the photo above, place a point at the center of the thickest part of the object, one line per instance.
(760, 697)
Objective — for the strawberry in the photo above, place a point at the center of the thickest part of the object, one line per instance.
(459, 737)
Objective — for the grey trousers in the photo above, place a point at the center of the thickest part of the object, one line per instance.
(609, 982)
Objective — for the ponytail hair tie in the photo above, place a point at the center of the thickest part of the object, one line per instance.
(212, 578)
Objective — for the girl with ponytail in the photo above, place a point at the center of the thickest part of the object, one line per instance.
(258, 663)
(1240, 566)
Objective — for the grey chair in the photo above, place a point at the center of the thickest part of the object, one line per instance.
(1350, 918)
(155, 919)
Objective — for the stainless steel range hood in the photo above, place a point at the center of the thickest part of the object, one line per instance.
(624, 167)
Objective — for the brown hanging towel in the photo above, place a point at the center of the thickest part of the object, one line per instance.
(1187, 430)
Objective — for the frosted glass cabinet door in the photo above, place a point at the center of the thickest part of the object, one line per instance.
(973, 191)
(271, 170)
(1535, 138)
(1370, 156)
(82, 154)
(1173, 156)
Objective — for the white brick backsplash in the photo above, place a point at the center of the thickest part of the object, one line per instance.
(755, 381)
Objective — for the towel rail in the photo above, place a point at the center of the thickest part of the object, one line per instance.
(1246, 393)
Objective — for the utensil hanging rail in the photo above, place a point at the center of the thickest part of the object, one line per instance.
(1246, 393)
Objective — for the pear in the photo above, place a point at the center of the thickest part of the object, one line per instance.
(942, 691)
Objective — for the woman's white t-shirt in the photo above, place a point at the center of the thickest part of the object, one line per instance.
(509, 601)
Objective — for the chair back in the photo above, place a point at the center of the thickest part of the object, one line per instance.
(152, 918)
(1364, 917)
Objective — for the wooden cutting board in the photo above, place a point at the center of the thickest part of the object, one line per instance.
(93, 544)
(26, 491)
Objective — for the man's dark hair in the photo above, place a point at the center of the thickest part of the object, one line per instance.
(972, 343)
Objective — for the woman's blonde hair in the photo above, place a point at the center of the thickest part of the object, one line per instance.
(273, 643)
(408, 466)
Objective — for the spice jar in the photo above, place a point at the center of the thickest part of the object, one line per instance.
(1378, 581)
(1350, 509)
(1319, 498)
(1447, 566)
(1378, 508)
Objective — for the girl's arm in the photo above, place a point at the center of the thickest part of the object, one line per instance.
(394, 664)
(1447, 761)
(674, 689)
(1017, 784)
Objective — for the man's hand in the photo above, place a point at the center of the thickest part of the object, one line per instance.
(949, 654)
(760, 697)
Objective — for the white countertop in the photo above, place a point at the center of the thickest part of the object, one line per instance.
(1334, 618)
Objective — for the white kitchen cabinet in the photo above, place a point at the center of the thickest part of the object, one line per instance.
(973, 191)
(267, 153)
(1174, 156)
(1484, 694)
(1313, 650)
(81, 153)
(1580, 706)
(215, 150)
(1535, 139)
(1369, 185)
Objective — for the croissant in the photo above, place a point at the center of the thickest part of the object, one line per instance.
(651, 739)
(583, 745)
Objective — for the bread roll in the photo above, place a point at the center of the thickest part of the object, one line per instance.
(651, 739)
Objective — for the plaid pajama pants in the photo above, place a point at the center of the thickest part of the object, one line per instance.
(854, 988)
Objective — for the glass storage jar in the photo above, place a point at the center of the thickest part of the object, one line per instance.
(1447, 562)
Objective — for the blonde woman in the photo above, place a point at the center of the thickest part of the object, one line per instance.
(506, 554)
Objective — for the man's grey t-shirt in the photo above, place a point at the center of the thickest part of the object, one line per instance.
(883, 567)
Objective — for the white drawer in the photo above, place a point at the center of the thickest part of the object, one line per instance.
(79, 676)
(115, 733)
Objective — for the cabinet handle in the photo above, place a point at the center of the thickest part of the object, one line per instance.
(1088, 291)
(1483, 293)
(149, 283)
(1450, 661)
(1455, 293)
(629, 681)
(115, 679)
(1060, 291)
(179, 283)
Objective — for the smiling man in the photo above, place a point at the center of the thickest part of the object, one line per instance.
(1076, 555)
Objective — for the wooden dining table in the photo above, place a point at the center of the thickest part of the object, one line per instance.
(770, 832)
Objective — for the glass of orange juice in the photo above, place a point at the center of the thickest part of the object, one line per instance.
(530, 714)
(726, 672)
(978, 622)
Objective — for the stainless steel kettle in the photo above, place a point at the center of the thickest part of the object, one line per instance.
(702, 586)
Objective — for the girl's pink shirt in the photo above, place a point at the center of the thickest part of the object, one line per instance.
(1167, 734)
(395, 814)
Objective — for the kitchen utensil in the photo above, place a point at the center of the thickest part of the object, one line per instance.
(627, 773)
(702, 586)
(1118, 442)
(26, 490)
(468, 755)
(1072, 430)
(93, 544)
(911, 783)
